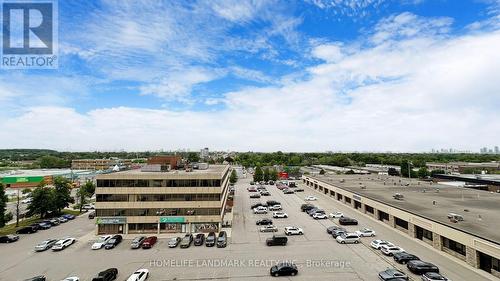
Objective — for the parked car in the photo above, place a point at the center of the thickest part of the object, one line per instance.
(319, 216)
(293, 230)
(390, 250)
(392, 275)
(113, 242)
(433, 276)
(421, 267)
(101, 242)
(277, 240)
(54, 222)
(347, 221)
(376, 244)
(210, 241)
(268, 228)
(63, 244)
(106, 275)
(71, 278)
(284, 269)
(259, 204)
(149, 242)
(137, 242)
(299, 189)
(348, 238)
(272, 203)
(44, 225)
(260, 210)
(265, 193)
(9, 238)
(337, 232)
(37, 278)
(186, 240)
(306, 207)
(27, 229)
(288, 191)
(174, 241)
(139, 275)
(336, 215)
(27, 200)
(199, 239)
(311, 212)
(366, 232)
(404, 257)
(62, 219)
(330, 229)
(91, 215)
(275, 208)
(69, 216)
(88, 207)
(280, 215)
(222, 240)
(264, 222)
(255, 195)
(45, 245)
(310, 198)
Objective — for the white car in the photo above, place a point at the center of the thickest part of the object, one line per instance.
(100, 242)
(293, 230)
(366, 232)
(139, 275)
(390, 250)
(310, 198)
(346, 238)
(336, 215)
(260, 210)
(276, 207)
(433, 276)
(376, 244)
(72, 278)
(268, 228)
(63, 243)
(26, 201)
(319, 216)
(88, 207)
(279, 215)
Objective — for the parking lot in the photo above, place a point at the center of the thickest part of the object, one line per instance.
(247, 257)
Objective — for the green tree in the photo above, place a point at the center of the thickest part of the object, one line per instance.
(84, 192)
(26, 191)
(3, 206)
(233, 178)
(266, 174)
(62, 193)
(422, 172)
(53, 162)
(193, 157)
(273, 174)
(42, 201)
(258, 175)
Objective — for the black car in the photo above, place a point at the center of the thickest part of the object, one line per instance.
(27, 229)
(404, 257)
(299, 190)
(106, 275)
(347, 221)
(210, 241)
(9, 238)
(421, 267)
(392, 275)
(37, 278)
(317, 211)
(91, 215)
(288, 191)
(277, 240)
(199, 239)
(330, 229)
(265, 193)
(264, 222)
(284, 269)
(113, 242)
(272, 203)
(257, 205)
(312, 210)
(306, 207)
(44, 225)
(222, 240)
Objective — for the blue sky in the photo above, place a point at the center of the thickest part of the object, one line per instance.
(313, 75)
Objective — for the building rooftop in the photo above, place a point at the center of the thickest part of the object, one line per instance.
(479, 209)
(40, 172)
(213, 171)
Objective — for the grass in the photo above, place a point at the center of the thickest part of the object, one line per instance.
(71, 212)
(11, 228)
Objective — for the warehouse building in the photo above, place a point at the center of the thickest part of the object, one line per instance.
(158, 200)
(458, 221)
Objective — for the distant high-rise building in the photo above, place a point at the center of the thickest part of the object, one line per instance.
(497, 151)
(204, 153)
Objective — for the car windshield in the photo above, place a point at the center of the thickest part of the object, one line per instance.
(111, 241)
(101, 240)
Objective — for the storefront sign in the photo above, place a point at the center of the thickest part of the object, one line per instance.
(111, 220)
(10, 180)
(172, 219)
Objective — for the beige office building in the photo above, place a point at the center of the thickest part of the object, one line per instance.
(136, 201)
(99, 164)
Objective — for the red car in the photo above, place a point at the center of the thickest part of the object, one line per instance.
(149, 242)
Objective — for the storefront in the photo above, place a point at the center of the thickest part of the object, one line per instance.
(111, 225)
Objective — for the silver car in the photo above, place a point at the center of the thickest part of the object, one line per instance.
(45, 245)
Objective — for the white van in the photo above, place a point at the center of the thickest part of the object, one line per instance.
(346, 238)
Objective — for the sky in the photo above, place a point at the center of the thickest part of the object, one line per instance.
(312, 75)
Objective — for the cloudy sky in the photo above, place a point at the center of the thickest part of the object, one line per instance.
(313, 75)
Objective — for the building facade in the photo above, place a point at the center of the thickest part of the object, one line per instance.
(461, 167)
(172, 201)
(100, 164)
